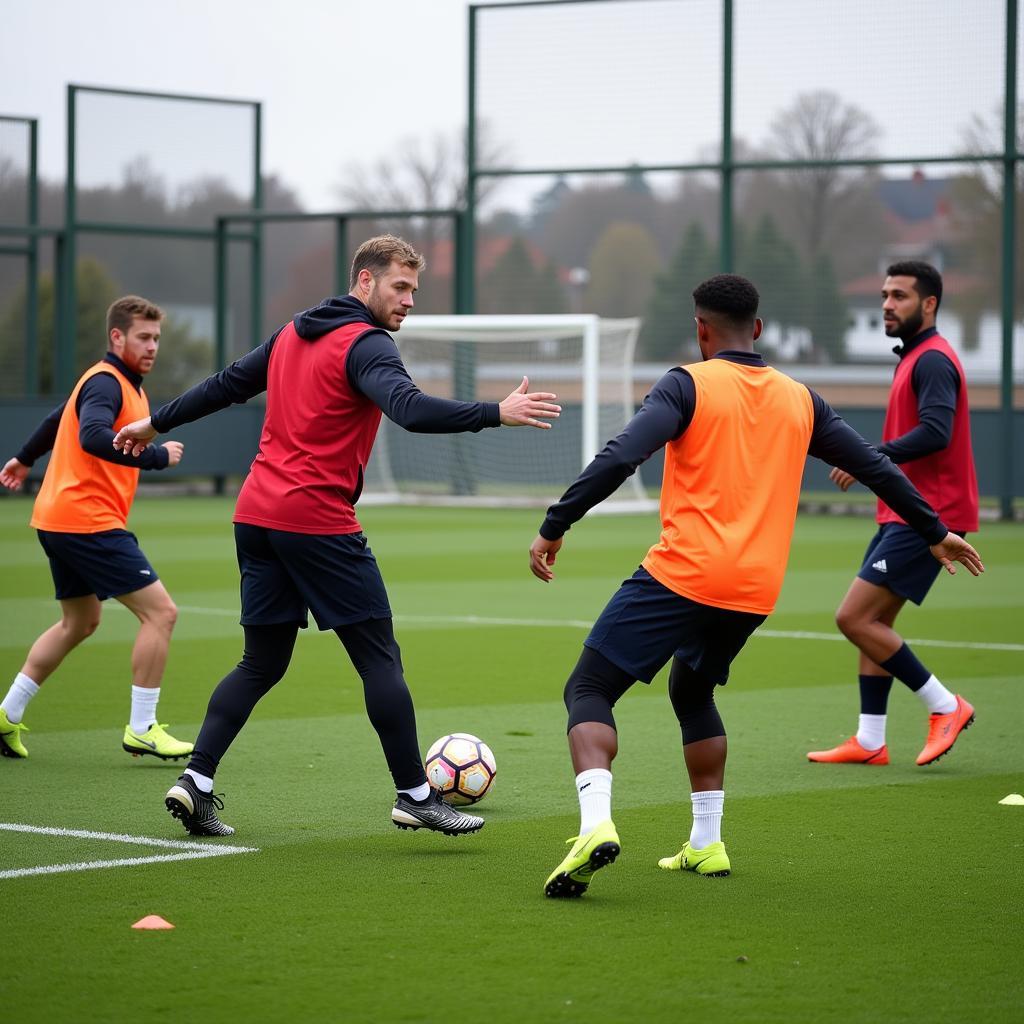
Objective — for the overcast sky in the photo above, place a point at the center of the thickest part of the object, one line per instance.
(344, 81)
(338, 80)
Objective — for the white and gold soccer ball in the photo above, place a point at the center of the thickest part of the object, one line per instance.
(462, 767)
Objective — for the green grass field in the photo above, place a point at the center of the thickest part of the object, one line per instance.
(857, 894)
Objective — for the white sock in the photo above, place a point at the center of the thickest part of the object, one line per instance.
(204, 782)
(21, 692)
(936, 698)
(419, 794)
(871, 731)
(594, 787)
(707, 818)
(144, 701)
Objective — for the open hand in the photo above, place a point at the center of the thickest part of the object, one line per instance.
(133, 438)
(542, 557)
(955, 549)
(12, 476)
(522, 409)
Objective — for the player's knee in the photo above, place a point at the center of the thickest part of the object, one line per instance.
(169, 615)
(593, 688)
(81, 628)
(693, 701)
(848, 621)
(586, 700)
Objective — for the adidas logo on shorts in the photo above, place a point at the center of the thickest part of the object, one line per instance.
(880, 565)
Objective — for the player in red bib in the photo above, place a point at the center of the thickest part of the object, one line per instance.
(927, 433)
(328, 375)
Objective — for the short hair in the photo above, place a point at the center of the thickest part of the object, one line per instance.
(124, 310)
(927, 280)
(378, 253)
(731, 296)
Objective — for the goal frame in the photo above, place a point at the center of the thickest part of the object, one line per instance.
(594, 381)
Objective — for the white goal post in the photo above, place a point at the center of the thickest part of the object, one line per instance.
(585, 359)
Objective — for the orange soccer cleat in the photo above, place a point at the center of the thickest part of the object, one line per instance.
(850, 752)
(943, 731)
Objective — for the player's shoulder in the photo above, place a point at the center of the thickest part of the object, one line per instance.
(104, 383)
(936, 364)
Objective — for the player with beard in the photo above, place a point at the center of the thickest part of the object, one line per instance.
(81, 516)
(328, 375)
(927, 433)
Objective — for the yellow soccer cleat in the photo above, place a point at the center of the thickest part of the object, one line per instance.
(712, 861)
(156, 742)
(589, 853)
(10, 737)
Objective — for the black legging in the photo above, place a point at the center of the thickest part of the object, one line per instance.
(693, 700)
(376, 656)
(596, 684)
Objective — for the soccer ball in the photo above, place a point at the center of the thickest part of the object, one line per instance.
(462, 767)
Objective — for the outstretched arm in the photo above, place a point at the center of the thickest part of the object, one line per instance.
(235, 384)
(375, 369)
(666, 412)
(39, 443)
(99, 405)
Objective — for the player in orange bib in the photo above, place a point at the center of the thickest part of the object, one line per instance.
(81, 515)
(736, 434)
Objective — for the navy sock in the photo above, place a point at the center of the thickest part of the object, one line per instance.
(906, 668)
(874, 694)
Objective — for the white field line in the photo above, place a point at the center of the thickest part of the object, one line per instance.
(769, 634)
(188, 850)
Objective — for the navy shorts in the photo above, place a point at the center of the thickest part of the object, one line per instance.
(106, 564)
(898, 558)
(286, 574)
(645, 624)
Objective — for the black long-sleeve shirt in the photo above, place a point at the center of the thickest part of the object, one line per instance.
(98, 406)
(374, 368)
(936, 384)
(667, 411)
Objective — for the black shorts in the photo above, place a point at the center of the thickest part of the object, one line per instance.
(285, 574)
(898, 558)
(106, 564)
(645, 624)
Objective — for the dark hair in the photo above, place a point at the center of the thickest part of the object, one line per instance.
(731, 296)
(927, 280)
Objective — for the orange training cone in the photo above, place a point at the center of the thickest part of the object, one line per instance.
(153, 922)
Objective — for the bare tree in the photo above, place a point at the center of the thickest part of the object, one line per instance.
(979, 196)
(822, 126)
(420, 174)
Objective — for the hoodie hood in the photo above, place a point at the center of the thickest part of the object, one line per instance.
(329, 315)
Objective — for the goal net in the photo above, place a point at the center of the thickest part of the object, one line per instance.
(586, 360)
